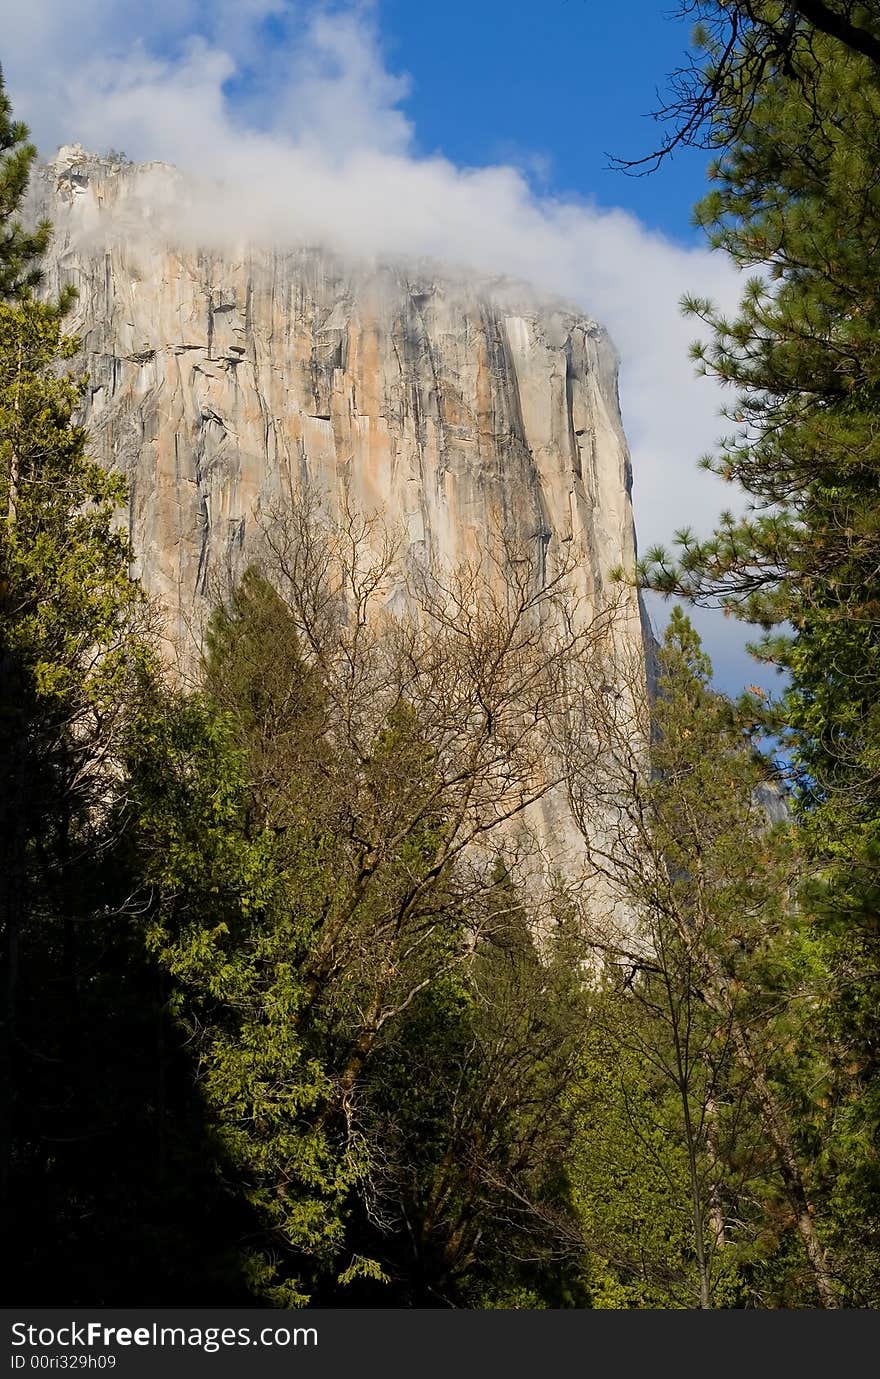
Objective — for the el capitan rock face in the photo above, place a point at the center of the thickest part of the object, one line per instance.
(219, 381)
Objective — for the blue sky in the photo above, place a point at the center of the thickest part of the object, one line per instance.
(555, 84)
(475, 133)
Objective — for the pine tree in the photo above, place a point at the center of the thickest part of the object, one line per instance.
(794, 196)
(789, 99)
(701, 942)
(232, 906)
(20, 248)
(67, 615)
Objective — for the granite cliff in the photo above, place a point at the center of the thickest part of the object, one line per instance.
(219, 380)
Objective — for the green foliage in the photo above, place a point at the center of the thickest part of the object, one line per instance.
(840, 924)
(795, 104)
(232, 916)
(66, 594)
(794, 197)
(695, 1172)
(20, 249)
(467, 1100)
(70, 654)
(631, 1172)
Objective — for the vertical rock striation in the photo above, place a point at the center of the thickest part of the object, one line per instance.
(220, 381)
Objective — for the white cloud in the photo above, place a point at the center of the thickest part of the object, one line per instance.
(290, 105)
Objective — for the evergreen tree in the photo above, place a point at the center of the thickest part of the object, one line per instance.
(79, 1008)
(20, 248)
(793, 195)
(467, 1098)
(233, 901)
(711, 980)
(789, 97)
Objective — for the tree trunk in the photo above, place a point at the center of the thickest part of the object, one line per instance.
(716, 1206)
